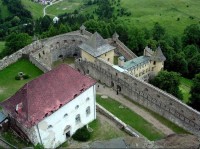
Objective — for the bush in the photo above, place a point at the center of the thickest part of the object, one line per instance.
(17, 77)
(26, 76)
(39, 146)
(82, 134)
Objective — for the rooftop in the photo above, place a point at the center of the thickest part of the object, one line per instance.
(135, 62)
(96, 45)
(44, 95)
(158, 55)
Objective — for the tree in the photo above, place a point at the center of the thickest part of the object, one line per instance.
(194, 66)
(169, 82)
(191, 35)
(158, 31)
(195, 93)
(17, 41)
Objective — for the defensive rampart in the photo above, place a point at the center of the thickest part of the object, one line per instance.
(147, 95)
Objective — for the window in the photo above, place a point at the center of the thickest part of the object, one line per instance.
(66, 115)
(88, 111)
(78, 119)
(154, 62)
(77, 107)
(43, 52)
(105, 54)
(39, 55)
(50, 126)
(108, 59)
(87, 99)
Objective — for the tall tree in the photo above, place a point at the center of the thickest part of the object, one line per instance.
(158, 31)
(169, 82)
(195, 93)
(192, 35)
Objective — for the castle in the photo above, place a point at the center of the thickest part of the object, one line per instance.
(127, 77)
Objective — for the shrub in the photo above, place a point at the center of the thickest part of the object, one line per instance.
(17, 77)
(39, 146)
(82, 134)
(26, 76)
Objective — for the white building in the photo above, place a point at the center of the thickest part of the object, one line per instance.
(49, 109)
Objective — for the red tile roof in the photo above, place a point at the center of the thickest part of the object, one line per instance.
(46, 94)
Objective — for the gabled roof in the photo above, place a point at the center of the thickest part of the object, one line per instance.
(96, 45)
(135, 62)
(44, 95)
(158, 55)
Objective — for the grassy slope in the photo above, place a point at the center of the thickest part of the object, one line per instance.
(35, 8)
(2, 45)
(146, 12)
(8, 84)
(185, 87)
(64, 7)
(4, 11)
(131, 118)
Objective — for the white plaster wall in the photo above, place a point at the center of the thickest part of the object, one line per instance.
(54, 136)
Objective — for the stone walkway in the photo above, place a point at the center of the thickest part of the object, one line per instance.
(147, 116)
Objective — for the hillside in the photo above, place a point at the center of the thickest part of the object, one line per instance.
(173, 15)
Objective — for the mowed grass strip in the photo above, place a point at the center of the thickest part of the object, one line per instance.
(163, 120)
(8, 85)
(131, 118)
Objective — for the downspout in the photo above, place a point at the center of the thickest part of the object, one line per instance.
(39, 134)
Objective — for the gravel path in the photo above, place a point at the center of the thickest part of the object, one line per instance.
(147, 116)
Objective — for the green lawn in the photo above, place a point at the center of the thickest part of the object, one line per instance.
(185, 87)
(8, 84)
(146, 12)
(163, 120)
(36, 9)
(131, 118)
(4, 10)
(64, 6)
(2, 45)
(104, 131)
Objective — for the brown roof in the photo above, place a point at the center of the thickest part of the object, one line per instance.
(46, 94)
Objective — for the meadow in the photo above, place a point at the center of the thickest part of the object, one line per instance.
(4, 10)
(174, 15)
(35, 8)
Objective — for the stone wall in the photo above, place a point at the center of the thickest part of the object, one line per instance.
(147, 95)
(122, 125)
(42, 66)
(6, 61)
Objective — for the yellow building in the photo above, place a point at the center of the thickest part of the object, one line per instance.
(144, 66)
(97, 47)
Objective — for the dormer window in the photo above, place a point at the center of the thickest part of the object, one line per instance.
(87, 99)
(66, 115)
(18, 108)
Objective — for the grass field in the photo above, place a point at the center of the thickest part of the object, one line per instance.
(35, 8)
(146, 12)
(131, 118)
(8, 84)
(185, 87)
(2, 45)
(4, 10)
(64, 6)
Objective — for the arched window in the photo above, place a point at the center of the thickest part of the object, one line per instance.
(87, 99)
(50, 126)
(78, 118)
(65, 115)
(87, 111)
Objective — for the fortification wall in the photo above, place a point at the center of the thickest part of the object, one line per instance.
(147, 95)
(6, 61)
